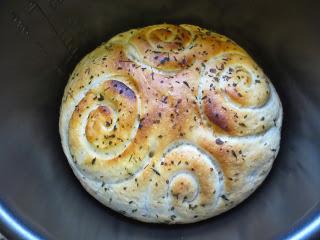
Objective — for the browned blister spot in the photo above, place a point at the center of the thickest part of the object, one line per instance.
(216, 115)
(120, 88)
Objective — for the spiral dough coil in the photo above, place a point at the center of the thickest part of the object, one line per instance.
(170, 124)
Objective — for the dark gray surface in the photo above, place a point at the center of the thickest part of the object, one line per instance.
(41, 43)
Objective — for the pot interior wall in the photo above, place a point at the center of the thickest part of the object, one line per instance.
(42, 41)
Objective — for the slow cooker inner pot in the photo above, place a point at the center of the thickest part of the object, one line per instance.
(41, 42)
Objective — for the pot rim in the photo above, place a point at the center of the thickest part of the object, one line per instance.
(11, 225)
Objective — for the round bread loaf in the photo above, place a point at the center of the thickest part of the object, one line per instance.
(170, 124)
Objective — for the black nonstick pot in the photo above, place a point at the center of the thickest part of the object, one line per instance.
(40, 44)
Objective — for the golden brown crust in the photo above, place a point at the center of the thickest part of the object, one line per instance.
(170, 123)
